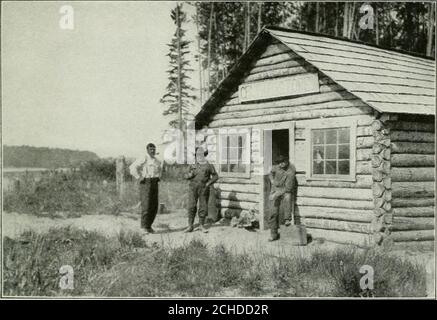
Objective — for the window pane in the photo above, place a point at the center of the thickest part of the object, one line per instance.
(241, 168)
(224, 168)
(318, 153)
(331, 152)
(343, 167)
(343, 136)
(233, 155)
(318, 137)
(331, 167)
(343, 152)
(318, 167)
(331, 136)
(233, 141)
(224, 149)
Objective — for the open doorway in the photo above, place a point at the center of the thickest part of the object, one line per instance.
(276, 143)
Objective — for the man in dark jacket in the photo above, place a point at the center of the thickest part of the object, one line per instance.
(201, 175)
(282, 178)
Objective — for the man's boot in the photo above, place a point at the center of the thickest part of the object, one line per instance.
(190, 227)
(202, 225)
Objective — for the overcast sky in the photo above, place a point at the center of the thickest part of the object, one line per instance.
(94, 88)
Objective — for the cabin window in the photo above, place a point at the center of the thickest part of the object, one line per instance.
(332, 153)
(234, 154)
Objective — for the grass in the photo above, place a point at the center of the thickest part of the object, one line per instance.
(73, 194)
(128, 266)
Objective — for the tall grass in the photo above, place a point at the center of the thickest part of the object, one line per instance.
(127, 266)
(84, 192)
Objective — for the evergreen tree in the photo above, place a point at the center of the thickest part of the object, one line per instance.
(178, 97)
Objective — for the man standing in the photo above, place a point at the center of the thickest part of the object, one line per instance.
(282, 178)
(147, 170)
(202, 175)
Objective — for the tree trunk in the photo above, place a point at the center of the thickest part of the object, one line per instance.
(178, 26)
(430, 29)
(247, 28)
(376, 24)
(200, 57)
(316, 28)
(337, 13)
(209, 48)
(345, 19)
(260, 4)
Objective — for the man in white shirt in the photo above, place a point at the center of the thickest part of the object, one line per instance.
(147, 170)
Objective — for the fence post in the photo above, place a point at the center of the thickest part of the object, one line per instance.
(120, 170)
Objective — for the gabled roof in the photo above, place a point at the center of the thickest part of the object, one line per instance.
(387, 80)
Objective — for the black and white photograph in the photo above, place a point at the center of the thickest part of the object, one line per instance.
(218, 150)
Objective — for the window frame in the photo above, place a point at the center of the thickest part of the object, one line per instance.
(326, 125)
(227, 133)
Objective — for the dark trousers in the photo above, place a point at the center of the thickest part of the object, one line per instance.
(149, 201)
(286, 201)
(198, 193)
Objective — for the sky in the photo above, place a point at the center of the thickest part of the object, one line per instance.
(96, 87)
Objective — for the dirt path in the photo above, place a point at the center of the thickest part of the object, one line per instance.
(169, 228)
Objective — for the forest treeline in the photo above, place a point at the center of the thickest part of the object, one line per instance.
(43, 157)
(225, 30)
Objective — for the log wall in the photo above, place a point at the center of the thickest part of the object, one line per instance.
(336, 210)
(413, 178)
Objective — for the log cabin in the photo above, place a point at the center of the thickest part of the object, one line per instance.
(356, 120)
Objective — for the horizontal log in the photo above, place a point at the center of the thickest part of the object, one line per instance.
(413, 202)
(362, 181)
(420, 189)
(230, 180)
(272, 74)
(364, 167)
(283, 104)
(413, 147)
(362, 120)
(421, 235)
(336, 225)
(248, 188)
(244, 205)
(412, 136)
(238, 196)
(335, 203)
(412, 126)
(281, 65)
(365, 142)
(405, 224)
(412, 160)
(299, 133)
(313, 114)
(335, 214)
(414, 212)
(278, 111)
(344, 237)
(274, 49)
(364, 154)
(335, 193)
(274, 59)
(412, 174)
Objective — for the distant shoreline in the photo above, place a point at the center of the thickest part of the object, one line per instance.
(24, 169)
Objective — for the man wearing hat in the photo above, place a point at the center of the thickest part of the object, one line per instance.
(282, 178)
(201, 175)
(147, 170)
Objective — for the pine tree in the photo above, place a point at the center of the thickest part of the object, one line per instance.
(178, 97)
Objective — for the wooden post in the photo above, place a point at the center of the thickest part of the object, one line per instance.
(120, 167)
